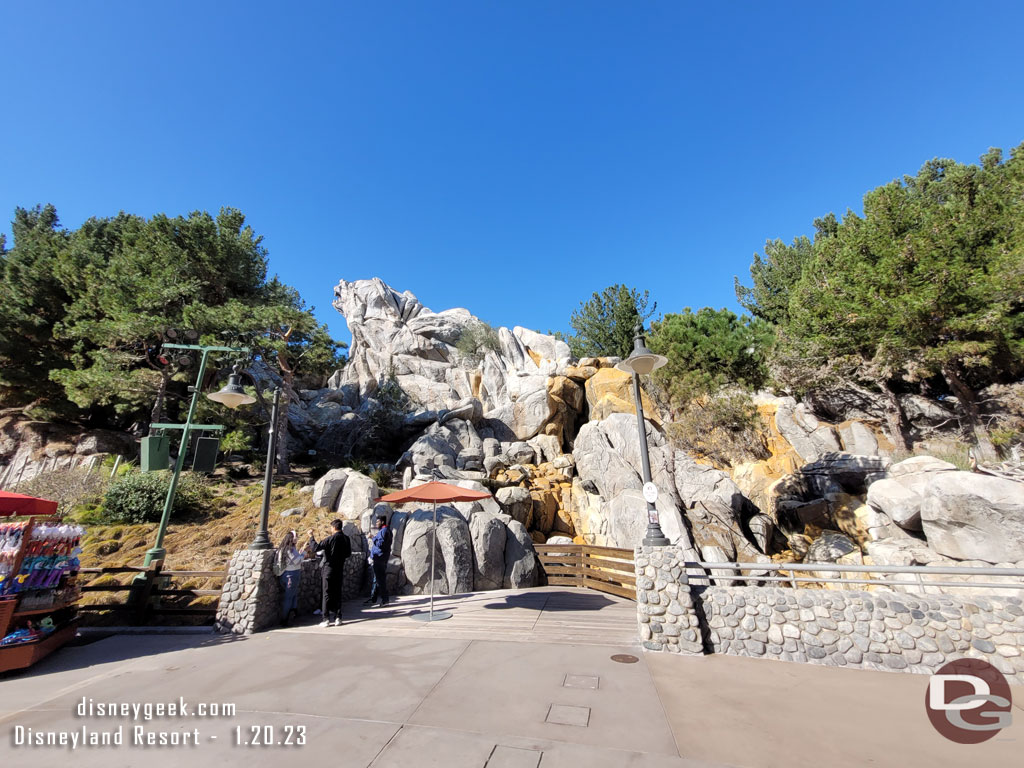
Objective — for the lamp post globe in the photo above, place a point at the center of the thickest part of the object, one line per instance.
(232, 394)
(643, 361)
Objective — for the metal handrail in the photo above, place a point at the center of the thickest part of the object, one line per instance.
(916, 570)
(926, 569)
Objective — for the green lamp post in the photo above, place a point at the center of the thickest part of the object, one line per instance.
(232, 399)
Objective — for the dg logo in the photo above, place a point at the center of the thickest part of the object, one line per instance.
(968, 701)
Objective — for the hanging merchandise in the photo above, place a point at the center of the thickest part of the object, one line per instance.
(38, 588)
(50, 553)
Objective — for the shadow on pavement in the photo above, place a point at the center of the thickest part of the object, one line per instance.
(113, 648)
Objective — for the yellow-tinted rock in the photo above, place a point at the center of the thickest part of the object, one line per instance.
(580, 372)
(563, 522)
(851, 514)
(611, 391)
(545, 508)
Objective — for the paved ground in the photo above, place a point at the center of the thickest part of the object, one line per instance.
(514, 679)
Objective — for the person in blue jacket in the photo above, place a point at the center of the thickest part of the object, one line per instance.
(380, 551)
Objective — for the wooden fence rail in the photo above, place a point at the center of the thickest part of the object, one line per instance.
(606, 569)
(143, 598)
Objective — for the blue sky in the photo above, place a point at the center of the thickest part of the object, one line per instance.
(509, 157)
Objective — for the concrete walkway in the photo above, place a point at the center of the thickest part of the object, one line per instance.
(528, 681)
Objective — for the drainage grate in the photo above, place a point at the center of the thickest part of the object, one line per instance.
(625, 658)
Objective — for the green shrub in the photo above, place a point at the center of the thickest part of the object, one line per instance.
(381, 477)
(723, 428)
(476, 340)
(138, 497)
(236, 441)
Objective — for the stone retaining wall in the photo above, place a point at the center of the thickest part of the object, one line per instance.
(250, 600)
(872, 630)
(884, 630)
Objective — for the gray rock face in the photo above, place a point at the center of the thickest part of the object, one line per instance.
(627, 517)
(971, 516)
(358, 496)
(521, 566)
(851, 472)
(858, 439)
(417, 541)
(457, 552)
(393, 333)
(808, 436)
(328, 487)
(829, 547)
(520, 453)
(900, 503)
(516, 503)
(699, 482)
(488, 534)
(923, 413)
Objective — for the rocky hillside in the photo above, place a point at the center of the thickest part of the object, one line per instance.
(440, 394)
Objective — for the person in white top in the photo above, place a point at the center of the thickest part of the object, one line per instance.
(288, 569)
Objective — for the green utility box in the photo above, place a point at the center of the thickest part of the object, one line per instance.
(206, 454)
(154, 453)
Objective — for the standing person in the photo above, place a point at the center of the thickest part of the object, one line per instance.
(380, 551)
(333, 552)
(288, 569)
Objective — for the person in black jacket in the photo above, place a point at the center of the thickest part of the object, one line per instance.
(380, 551)
(333, 551)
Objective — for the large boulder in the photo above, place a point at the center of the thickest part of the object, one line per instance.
(522, 569)
(971, 516)
(900, 498)
(809, 437)
(456, 549)
(488, 534)
(327, 488)
(359, 494)
(700, 483)
(830, 547)
(627, 519)
(416, 541)
(517, 503)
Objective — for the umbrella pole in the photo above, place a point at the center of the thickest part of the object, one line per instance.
(433, 547)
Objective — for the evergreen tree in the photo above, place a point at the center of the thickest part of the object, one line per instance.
(929, 282)
(604, 325)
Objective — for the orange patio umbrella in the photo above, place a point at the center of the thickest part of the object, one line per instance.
(434, 491)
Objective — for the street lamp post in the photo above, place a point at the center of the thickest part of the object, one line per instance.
(262, 540)
(644, 361)
(158, 552)
(232, 395)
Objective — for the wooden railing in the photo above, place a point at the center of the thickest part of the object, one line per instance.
(605, 569)
(149, 596)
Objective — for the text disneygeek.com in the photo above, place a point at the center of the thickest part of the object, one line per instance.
(171, 730)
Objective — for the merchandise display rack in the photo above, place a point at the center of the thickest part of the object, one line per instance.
(27, 605)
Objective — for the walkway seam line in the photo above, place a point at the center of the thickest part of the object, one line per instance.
(439, 681)
(661, 704)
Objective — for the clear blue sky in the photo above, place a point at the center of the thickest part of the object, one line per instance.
(509, 157)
